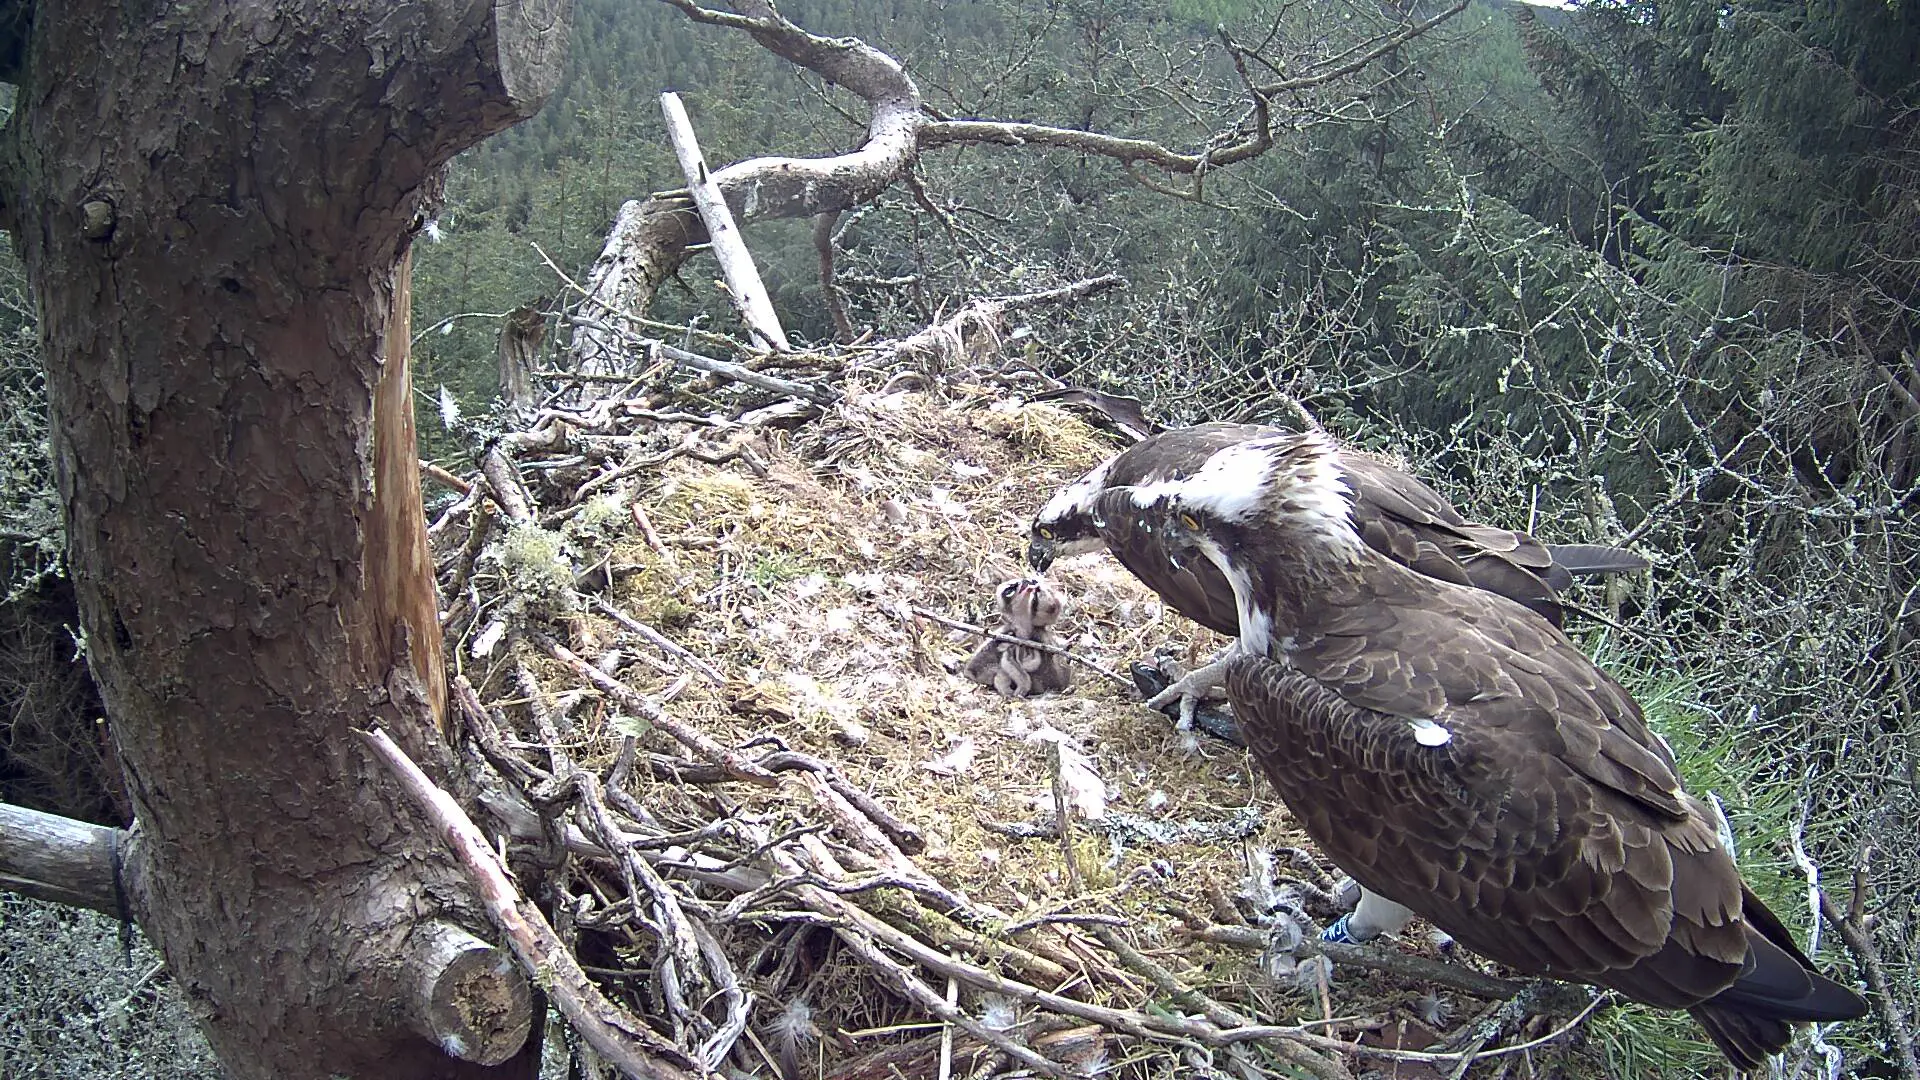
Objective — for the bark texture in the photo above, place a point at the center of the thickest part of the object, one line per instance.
(212, 201)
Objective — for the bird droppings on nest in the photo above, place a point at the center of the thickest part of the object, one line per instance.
(800, 582)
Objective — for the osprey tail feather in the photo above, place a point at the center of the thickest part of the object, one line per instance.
(1588, 560)
(1752, 1019)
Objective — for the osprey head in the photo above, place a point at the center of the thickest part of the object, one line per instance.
(1288, 483)
(1065, 526)
(1182, 530)
(1193, 532)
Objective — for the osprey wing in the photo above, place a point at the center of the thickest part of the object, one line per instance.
(1396, 644)
(1414, 525)
(1483, 825)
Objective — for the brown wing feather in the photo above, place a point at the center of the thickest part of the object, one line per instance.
(1407, 646)
(1409, 522)
(1498, 838)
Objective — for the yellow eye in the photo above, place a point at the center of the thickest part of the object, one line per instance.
(1045, 532)
(1189, 521)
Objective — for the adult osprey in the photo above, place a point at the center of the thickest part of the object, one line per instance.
(1456, 755)
(1394, 513)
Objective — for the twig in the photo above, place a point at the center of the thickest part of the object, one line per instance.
(1190, 998)
(645, 524)
(1404, 965)
(898, 831)
(445, 477)
(1063, 818)
(659, 640)
(982, 631)
(1866, 955)
(1502, 1051)
(819, 395)
(610, 1030)
(857, 930)
(659, 350)
(503, 481)
(650, 463)
(735, 765)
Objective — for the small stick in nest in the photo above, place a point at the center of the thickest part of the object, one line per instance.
(657, 639)
(739, 767)
(1063, 817)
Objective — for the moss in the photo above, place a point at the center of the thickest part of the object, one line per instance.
(534, 561)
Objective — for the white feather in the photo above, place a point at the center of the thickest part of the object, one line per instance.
(1228, 486)
(997, 1013)
(1077, 497)
(1428, 733)
(1256, 625)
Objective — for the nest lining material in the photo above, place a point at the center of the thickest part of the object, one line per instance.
(789, 562)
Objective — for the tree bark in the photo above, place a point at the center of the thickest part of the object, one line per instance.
(212, 201)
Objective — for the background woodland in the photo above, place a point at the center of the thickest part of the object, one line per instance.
(1641, 273)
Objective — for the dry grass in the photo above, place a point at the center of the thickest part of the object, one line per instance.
(796, 581)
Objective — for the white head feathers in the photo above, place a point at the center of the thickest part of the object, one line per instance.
(1283, 479)
(1077, 497)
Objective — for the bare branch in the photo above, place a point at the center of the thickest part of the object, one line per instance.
(631, 1046)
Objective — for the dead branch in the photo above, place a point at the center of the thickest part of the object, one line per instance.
(444, 477)
(1866, 956)
(660, 351)
(650, 240)
(654, 637)
(736, 766)
(745, 289)
(61, 860)
(981, 322)
(634, 1048)
(504, 484)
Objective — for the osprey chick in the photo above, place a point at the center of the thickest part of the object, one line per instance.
(1027, 609)
(1462, 760)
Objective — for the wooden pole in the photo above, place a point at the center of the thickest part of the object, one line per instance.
(736, 265)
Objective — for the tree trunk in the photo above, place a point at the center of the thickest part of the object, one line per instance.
(212, 201)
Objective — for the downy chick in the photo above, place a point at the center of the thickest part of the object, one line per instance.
(1027, 609)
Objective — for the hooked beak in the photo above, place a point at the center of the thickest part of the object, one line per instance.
(1178, 555)
(1040, 554)
(1181, 546)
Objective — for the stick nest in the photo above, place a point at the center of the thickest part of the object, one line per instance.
(812, 849)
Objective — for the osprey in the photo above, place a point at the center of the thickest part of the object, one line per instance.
(1395, 514)
(1463, 761)
(1027, 609)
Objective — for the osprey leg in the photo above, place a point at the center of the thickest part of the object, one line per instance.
(1373, 916)
(1193, 687)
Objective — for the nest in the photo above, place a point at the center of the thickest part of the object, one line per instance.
(709, 660)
